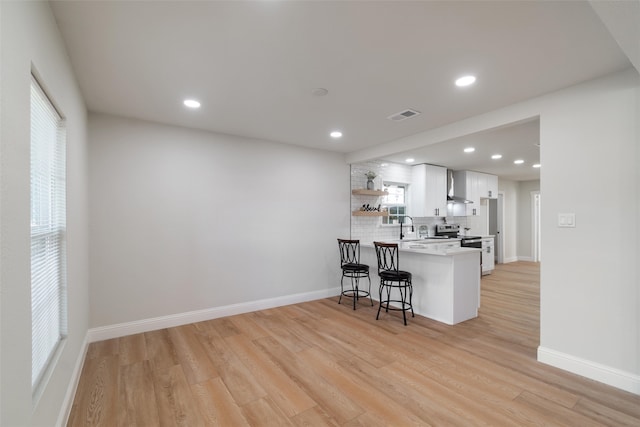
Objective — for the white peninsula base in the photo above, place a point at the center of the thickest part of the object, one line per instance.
(446, 284)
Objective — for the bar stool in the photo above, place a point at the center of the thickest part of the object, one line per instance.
(392, 277)
(351, 268)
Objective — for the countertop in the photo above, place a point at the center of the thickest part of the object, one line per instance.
(428, 247)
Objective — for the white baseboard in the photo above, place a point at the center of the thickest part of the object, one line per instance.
(525, 258)
(511, 259)
(129, 328)
(605, 374)
(63, 416)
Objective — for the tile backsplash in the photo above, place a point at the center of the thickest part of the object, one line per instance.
(368, 229)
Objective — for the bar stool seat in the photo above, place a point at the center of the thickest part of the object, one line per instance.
(354, 270)
(355, 267)
(392, 277)
(395, 276)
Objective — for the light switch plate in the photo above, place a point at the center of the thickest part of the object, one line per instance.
(567, 220)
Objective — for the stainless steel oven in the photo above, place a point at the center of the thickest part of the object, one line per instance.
(452, 231)
(471, 242)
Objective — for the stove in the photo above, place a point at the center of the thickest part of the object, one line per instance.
(471, 241)
(453, 231)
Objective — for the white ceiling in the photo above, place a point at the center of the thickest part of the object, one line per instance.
(516, 141)
(253, 65)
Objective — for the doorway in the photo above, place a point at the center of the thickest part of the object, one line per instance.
(495, 225)
(535, 226)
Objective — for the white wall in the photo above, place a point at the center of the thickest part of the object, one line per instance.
(185, 220)
(589, 143)
(589, 137)
(29, 36)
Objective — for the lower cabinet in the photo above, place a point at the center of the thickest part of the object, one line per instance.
(488, 255)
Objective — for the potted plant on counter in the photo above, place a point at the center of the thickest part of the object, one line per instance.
(370, 176)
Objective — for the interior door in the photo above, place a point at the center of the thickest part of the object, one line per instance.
(499, 240)
(493, 224)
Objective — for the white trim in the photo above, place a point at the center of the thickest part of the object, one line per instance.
(596, 371)
(535, 224)
(525, 258)
(138, 326)
(511, 259)
(501, 228)
(67, 402)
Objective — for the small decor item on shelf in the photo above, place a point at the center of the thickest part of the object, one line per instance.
(367, 208)
(370, 175)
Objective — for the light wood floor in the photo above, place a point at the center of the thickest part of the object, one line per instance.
(320, 363)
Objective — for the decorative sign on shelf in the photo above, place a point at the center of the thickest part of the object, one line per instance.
(367, 208)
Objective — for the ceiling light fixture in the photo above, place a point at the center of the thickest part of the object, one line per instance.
(537, 165)
(469, 150)
(410, 160)
(465, 81)
(518, 162)
(336, 134)
(496, 156)
(191, 103)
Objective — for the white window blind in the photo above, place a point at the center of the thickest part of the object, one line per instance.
(48, 232)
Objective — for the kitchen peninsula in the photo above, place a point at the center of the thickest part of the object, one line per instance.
(446, 279)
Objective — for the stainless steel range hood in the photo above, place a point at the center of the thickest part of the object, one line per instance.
(451, 197)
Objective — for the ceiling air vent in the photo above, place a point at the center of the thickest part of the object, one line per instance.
(403, 115)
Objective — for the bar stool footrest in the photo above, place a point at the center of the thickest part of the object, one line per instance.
(386, 304)
(358, 293)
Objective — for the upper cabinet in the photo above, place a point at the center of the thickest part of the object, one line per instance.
(487, 185)
(473, 186)
(428, 191)
(492, 186)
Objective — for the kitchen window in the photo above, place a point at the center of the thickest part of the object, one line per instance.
(395, 202)
(48, 234)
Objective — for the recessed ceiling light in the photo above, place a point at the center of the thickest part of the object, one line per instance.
(496, 156)
(469, 150)
(410, 160)
(191, 103)
(336, 134)
(518, 162)
(537, 165)
(465, 81)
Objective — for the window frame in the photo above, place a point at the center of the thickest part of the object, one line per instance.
(48, 233)
(384, 220)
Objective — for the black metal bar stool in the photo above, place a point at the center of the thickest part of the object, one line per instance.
(392, 277)
(351, 268)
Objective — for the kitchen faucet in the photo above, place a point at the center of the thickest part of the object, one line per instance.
(402, 221)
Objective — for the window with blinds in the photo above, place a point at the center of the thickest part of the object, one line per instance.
(48, 232)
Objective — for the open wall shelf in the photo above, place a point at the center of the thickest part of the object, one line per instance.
(364, 192)
(369, 213)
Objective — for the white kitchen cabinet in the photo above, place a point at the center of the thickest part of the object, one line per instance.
(466, 186)
(482, 188)
(473, 186)
(428, 191)
(487, 185)
(492, 186)
(488, 255)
